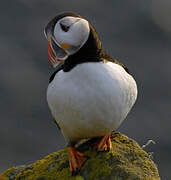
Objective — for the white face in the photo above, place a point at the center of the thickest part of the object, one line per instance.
(71, 33)
(68, 36)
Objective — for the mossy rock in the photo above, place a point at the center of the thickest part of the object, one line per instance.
(125, 161)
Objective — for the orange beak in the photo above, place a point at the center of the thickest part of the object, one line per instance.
(56, 52)
(52, 56)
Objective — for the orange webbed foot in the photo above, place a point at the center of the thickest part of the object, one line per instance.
(76, 159)
(104, 144)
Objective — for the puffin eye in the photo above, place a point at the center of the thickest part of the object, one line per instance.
(64, 27)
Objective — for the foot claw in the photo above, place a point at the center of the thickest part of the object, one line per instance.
(74, 173)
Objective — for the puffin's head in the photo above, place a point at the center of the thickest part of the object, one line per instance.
(67, 33)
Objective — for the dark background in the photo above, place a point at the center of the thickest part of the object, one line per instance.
(137, 32)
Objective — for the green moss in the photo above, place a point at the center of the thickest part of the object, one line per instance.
(3, 178)
(126, 160)
(79, 178)
(9, 171)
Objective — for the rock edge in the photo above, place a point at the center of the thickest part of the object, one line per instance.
(125, 161)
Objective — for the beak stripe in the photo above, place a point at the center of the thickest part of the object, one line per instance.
(51, 54)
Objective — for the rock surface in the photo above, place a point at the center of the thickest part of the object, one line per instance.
(125, 161)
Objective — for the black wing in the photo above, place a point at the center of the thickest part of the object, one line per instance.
(106, 58)
(56, 124)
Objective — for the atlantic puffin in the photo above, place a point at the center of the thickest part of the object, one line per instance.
(90, 93)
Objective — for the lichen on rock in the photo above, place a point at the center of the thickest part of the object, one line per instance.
(125, 161)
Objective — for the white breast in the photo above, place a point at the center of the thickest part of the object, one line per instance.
(91, 100)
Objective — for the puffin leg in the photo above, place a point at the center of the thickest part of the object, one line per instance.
(76, 159)
(104, 144)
